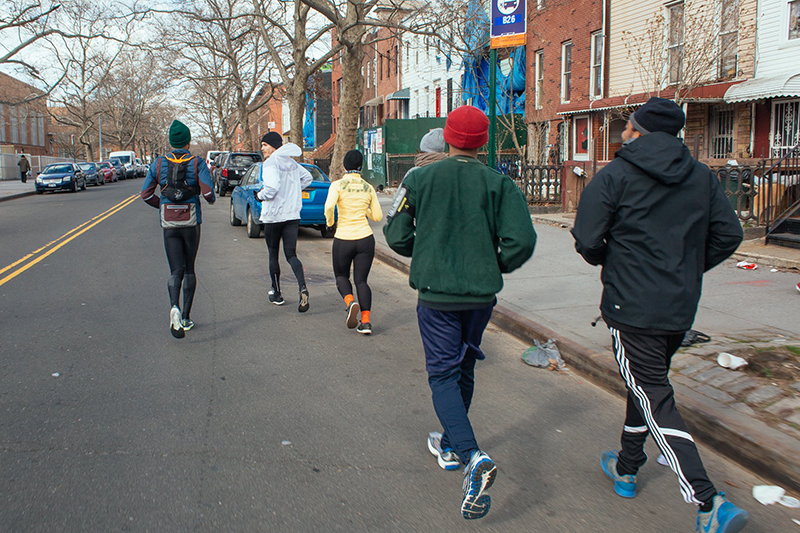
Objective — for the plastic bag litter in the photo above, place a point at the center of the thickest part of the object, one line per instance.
(747, 265)
(544, 355)
(770, 494)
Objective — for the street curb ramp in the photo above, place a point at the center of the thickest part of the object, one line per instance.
(767, 457)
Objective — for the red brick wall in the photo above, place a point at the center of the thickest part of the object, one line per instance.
(14, 90)
(557, 22)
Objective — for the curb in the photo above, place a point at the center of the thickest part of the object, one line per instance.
(753, 449)
(15, 196)
(766, 260)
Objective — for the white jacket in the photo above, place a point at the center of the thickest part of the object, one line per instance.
(282, 180)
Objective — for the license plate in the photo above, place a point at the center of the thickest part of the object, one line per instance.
(306, 195)
(51, 184)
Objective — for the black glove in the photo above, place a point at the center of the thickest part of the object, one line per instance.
(255, 193)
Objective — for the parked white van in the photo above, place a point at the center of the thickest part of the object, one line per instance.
(128, 160)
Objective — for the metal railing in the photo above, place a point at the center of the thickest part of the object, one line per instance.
(763, 193)
(541, 184)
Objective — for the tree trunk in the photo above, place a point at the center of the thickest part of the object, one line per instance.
(349, 106)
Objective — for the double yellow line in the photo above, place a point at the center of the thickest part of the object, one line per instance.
(52, 246)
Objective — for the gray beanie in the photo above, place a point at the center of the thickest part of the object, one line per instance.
(433, 141)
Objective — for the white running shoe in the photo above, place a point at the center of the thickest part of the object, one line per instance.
(187, 324)
(447, 459)
(175, 319)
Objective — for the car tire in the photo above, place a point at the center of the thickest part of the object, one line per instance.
(222, 190)
(74, 186)
(83, 185)
(234, 221)
(39, 192)
(253, 227)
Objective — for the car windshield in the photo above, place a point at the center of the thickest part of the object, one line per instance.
(89, 167)
(124, 158)
(57, 169)
(242, 160)
(317, 174)
(103, 165)
(116, 163)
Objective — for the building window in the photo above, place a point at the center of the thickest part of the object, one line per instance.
(449, 95)
(41, 131)
(721, 132)
(566, 70)
(538, 64)
(596, 82)
(729, 38)
(397, 60)
(34, 129)
(794, 20)
(408, 57)
(23, 128)
(3, 122)
(785, 126)
(368, 76)
(580, 138)
(380, 66)
(675, 45)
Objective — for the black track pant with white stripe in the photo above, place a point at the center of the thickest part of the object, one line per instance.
(644, 365)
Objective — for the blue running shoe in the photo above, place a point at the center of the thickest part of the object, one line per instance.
(478, 477)
(724, 517)
(447, 458)
(625, 486)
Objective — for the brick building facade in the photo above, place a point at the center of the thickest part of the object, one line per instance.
(24, 123)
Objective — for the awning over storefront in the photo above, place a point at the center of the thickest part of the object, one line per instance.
(707, 93)
(374, 102)
(783, 86)
(402, 94)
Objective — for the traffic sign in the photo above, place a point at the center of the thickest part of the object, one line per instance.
(509, 23)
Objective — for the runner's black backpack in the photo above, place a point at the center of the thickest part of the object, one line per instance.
(177, 189)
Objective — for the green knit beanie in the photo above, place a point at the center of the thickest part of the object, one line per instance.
(179, 134)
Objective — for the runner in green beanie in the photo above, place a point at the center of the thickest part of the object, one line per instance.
(179, 134)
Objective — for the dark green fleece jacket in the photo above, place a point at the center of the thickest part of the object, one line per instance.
(463, 225)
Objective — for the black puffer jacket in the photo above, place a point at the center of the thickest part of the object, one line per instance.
(656, 219)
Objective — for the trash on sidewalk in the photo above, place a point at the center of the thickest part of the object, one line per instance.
(747, 265)
(774, 270)
(771, 494)
(728, 360)
(797, 287)
(544, 355)
(55, 374)
(694, 337)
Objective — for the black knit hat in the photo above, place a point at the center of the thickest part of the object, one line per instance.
(353, 160)
(658, 114)
(273, 139)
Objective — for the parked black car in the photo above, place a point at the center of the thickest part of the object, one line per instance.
(60, 177)
(117, 164)
(233, 169)
(92, 174)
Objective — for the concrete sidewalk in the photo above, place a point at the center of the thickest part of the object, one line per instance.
(10, 189)
(752, 419)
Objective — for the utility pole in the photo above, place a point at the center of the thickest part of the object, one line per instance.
(100, 130)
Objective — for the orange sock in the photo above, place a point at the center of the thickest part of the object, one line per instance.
(364, 317)
(348, 300)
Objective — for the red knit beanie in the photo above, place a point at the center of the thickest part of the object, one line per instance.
(466, 128)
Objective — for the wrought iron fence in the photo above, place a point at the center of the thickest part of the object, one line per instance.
(766, 192)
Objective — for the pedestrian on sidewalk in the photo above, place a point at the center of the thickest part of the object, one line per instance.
(281, 182)
(463, 225)
(353, 242)
(182, 180)
(24, 168)
(431, 148)
(656, 219)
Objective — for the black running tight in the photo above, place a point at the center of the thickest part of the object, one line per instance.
(181, 245)
(359, 254)
(287, 232)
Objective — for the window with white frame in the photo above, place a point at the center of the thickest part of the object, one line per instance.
(794, 20)
(566, 70)
(408, 57)
(2, 123)
(539, 77)
(785, 126)
(675, 42)
(41, 131)
(596, 81)
(23, 127)
(728, 38)
(34, 129)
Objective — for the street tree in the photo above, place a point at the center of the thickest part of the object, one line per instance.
(288, 22)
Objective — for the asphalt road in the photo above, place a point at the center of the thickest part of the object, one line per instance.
(264, 419)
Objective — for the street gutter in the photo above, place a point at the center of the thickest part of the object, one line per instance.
(15, 196)
(754, 445)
